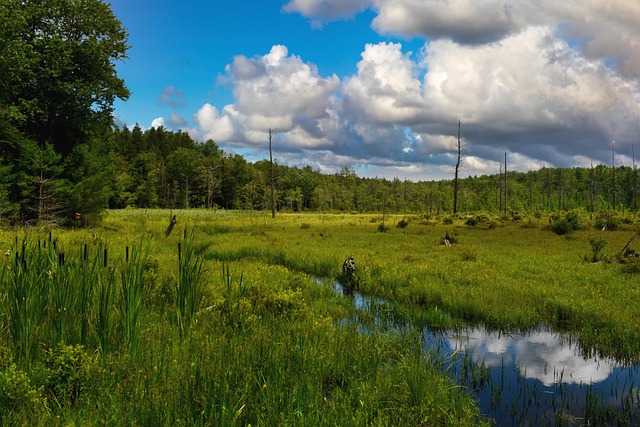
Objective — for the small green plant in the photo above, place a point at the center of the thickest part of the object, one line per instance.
(68, 368)
(234, 295)
(19, 397)
(598, 254)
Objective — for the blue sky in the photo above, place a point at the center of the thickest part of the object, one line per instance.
(379, 85)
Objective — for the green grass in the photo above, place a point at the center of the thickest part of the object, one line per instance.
(222, 323)
(257, 341)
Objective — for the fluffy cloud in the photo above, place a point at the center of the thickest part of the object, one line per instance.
(551, 83)
(275, 91)
(386, 89)
(530, 91)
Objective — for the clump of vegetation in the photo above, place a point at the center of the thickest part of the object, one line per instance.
(569, 223)
(403, 223)
(20, 399)
(605, 221)
(69, 369)
(477, 220)
(382, 228)
(598, 245)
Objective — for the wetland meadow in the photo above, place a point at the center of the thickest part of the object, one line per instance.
(237, 318)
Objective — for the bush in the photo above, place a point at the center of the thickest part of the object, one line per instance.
(402, 223)
(598, 245)
(605, 222)
(564, 226)
(18, 395)
(472, 221)
(561, 227)
(631, 266)
(69, 368)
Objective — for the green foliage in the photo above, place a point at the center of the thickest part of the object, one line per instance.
(570, 223)
(131, 307)
(69, 369)
(58, 68)
(606, 221)
(20, 400)
(403, 223)
(189, 282)
(269, 345)
(598, 245)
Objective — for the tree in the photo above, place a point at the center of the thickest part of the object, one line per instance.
(57, 62)
(48, 187)
(182, 168)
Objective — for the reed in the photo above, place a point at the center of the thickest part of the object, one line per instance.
(131, 306)
(103, 317)
(189, 283)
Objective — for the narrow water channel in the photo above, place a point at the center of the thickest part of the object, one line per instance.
(534, 378)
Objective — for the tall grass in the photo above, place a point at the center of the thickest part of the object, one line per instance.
(188, 286)
(27, 294)
(131, 307)
(105, 279)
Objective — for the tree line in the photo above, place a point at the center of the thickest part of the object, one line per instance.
(123, 168)
(61, 156)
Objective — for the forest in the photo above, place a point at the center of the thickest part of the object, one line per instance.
(62, 157)
(157, 168)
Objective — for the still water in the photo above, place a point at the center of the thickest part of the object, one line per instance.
(533, 378)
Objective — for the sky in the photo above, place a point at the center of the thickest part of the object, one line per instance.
(380, 86)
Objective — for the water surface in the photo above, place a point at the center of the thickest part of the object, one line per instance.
(533, 378)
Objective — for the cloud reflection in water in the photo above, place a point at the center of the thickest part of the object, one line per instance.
(540, 354)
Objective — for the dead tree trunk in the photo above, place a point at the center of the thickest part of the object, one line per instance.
(273, 183)
(455, 179)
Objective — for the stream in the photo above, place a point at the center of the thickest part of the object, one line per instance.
(533, 378)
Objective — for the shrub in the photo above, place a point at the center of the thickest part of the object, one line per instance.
(472, 221)
(402, 223)
(597, 250)
(631, 266)
(382, 228)
(561, 227)
(69, 368)
(448, 220)
(18, 395)
(564, 226)
(605, 222)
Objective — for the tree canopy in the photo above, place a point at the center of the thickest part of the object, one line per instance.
(57, 59)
